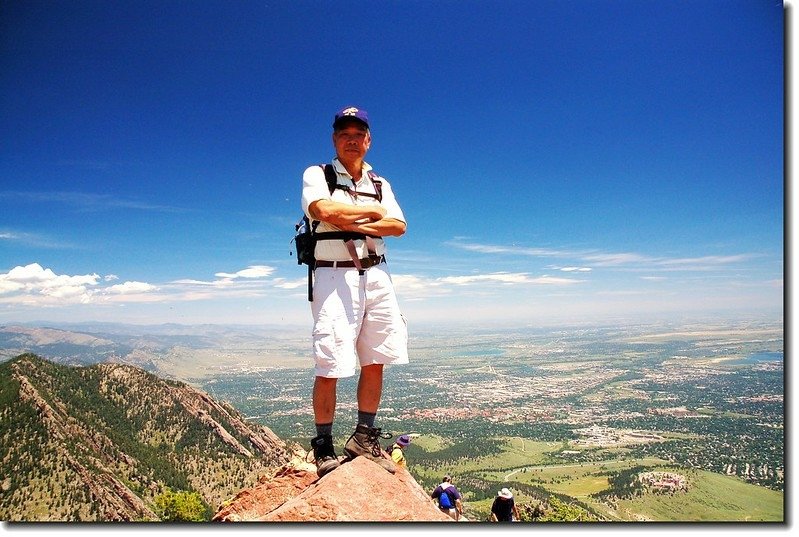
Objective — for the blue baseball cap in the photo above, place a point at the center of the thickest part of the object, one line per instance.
(351, 112)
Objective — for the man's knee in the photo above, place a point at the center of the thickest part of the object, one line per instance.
(325, 383)
(372, 373)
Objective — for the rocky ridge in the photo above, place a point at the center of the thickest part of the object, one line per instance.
(101, 443)
(357, 491)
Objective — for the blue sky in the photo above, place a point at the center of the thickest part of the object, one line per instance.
(580, 161)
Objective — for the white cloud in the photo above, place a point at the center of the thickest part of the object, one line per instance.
(413, 287)
(68, 292)
(618, 260)
(254, 271)
(8, 286)
(34, 285)
(33, 240)
(710, 262)
(129, 288)
(201, 283)
(615, 259)
(500, 277)
(513, 249)
(412, 282)
(282, 283)
(86, 201)
(550, 280)
(248, 278)
(710, 259)
(33, 279)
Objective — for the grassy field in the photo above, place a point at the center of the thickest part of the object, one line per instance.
(710, 497)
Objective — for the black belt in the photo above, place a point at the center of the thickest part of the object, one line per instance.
(366, 262)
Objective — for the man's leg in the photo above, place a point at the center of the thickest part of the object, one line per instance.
(370, 388)
(335, 331)
(365, 440)
(324, 407)
(324, 400)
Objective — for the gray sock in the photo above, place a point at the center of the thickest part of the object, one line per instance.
(367, 418)
(324, 428)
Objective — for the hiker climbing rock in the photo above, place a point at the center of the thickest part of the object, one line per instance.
(504, 507)
(357, 319)
(449, 498)
(396, 450)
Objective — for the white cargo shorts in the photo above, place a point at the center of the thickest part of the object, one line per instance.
(356, 318)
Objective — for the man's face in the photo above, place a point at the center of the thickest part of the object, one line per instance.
(351, 141)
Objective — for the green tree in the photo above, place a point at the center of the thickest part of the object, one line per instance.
(560, 511)
(181, 506)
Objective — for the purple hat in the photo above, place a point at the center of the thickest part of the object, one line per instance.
(404, 440)
(351, 112)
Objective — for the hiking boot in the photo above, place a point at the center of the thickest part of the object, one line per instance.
(365, 442)
(324, 455)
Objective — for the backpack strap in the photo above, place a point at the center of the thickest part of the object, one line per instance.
(377, 183)
(332, 178)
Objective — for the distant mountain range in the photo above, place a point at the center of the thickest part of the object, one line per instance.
(104, 442)
(181, 352)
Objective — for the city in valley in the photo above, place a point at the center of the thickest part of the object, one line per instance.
(701, 396)
(571, 410)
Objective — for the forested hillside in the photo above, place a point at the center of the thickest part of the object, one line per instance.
(113, 442)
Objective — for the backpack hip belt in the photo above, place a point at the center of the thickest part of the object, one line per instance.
(363, 263)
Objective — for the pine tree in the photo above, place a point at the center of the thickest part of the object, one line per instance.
(181, 506)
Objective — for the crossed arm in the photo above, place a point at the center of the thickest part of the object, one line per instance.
(367, 219)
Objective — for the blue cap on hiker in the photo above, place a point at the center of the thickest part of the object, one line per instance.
(350, 113)
(404, 440)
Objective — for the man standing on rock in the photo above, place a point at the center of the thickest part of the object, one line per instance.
(357, 320)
